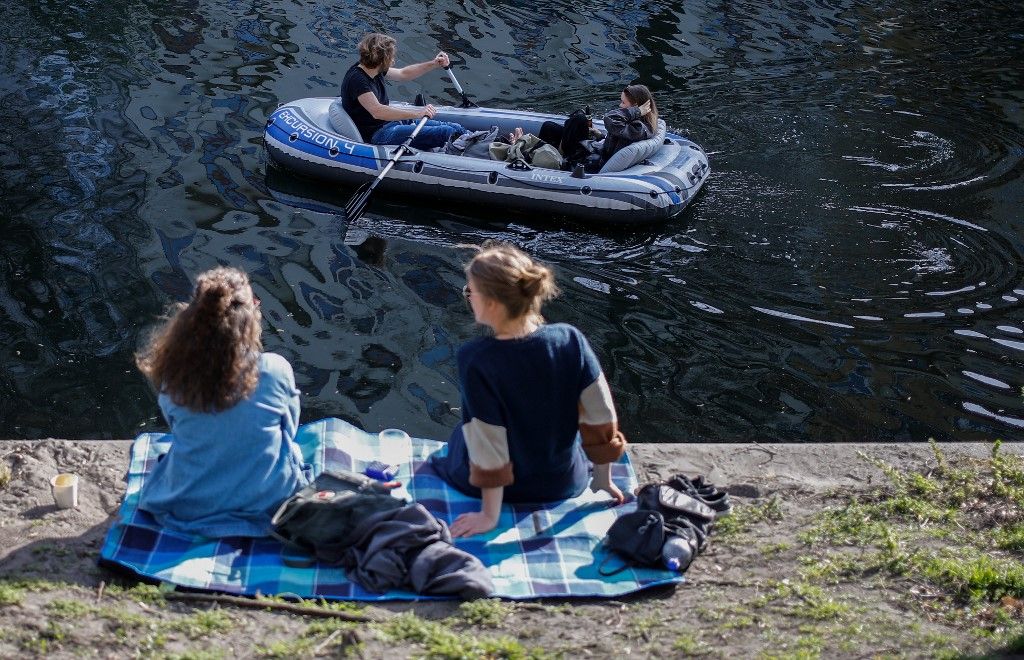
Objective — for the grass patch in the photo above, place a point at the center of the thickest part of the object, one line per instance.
(201, 654)
(488, 612)
(5, 475)
(203, 623)
(690, 645)
(69, 609)
(144, 593)
(954, 532)
(10, 594)
(288, 648)
(729, 528)
(37, 585)
(441, 642)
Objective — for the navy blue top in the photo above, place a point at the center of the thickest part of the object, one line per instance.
(355, 84)
(531, 387)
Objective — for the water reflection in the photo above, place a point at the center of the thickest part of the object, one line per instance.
(852, 271)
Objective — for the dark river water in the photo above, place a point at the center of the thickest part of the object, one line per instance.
(851, 272)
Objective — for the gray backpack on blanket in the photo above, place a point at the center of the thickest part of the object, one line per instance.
(473, 144)
(317, 522)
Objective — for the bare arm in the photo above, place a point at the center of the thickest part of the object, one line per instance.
(486, 519)
(603, 481)
(383, 112)
(413, 71)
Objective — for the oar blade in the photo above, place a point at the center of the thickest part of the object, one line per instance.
(356, 206)
(358, 198)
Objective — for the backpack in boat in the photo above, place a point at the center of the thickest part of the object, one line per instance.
(528, 149)
(317, 521)
(472, 144)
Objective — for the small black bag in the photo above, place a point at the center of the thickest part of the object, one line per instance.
(637, 538)
(319, 519)
(661, 512)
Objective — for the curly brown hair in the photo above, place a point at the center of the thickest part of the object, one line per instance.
(507, 274)
(206, 356)
(377, 49)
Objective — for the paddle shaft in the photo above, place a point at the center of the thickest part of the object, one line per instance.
(399, 152)
(451, 74)
(466, 103)
(357, 204)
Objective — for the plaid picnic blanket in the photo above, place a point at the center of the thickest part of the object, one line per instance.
(540, 550)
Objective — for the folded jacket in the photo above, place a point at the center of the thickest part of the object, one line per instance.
(408, 548)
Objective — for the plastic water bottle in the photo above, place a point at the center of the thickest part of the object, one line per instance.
(676, 553)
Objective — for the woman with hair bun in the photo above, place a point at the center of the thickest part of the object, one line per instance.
(232, 409)
(528, 392)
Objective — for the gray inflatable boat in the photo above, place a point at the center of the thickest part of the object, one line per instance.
(647, 181)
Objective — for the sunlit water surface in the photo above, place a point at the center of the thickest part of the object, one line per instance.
(851, 272)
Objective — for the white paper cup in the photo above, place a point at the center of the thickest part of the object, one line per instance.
(65, 490)
(393, 435)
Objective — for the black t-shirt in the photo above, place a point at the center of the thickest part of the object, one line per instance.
(355, 84)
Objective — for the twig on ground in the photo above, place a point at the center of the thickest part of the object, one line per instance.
(322, 645)
(99, 590)
(758, 445)
(261, 604)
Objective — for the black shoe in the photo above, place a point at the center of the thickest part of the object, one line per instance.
(705, 492)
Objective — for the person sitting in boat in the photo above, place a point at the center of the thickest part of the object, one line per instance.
(364, 95)
(580, 143)
(233, 412)
(535, 403)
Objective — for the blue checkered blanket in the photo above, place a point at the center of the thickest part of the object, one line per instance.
(539, 550)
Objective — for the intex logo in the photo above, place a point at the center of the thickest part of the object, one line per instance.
(546, 178)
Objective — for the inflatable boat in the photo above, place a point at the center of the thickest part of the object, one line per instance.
(647, 181)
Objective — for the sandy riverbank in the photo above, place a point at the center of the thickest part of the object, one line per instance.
(47, 556)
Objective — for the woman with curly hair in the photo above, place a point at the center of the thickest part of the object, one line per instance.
(233, 412)
(538, 421)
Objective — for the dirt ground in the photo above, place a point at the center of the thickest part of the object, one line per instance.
(753, 593)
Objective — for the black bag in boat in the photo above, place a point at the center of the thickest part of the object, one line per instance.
(319, 519)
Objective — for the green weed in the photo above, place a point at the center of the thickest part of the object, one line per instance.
(69, 609)
(485, 612)
(441, 642)
(10, 594)
(728, 528)
(203, 623)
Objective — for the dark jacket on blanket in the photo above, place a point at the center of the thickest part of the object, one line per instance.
(625, 126)
(408, 548)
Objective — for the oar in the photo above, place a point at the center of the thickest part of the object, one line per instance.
(466, 103)
(361, 197)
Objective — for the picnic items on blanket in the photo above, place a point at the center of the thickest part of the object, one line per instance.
(409, 548)
(670, 525)
(549, 550)
(318, 520)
